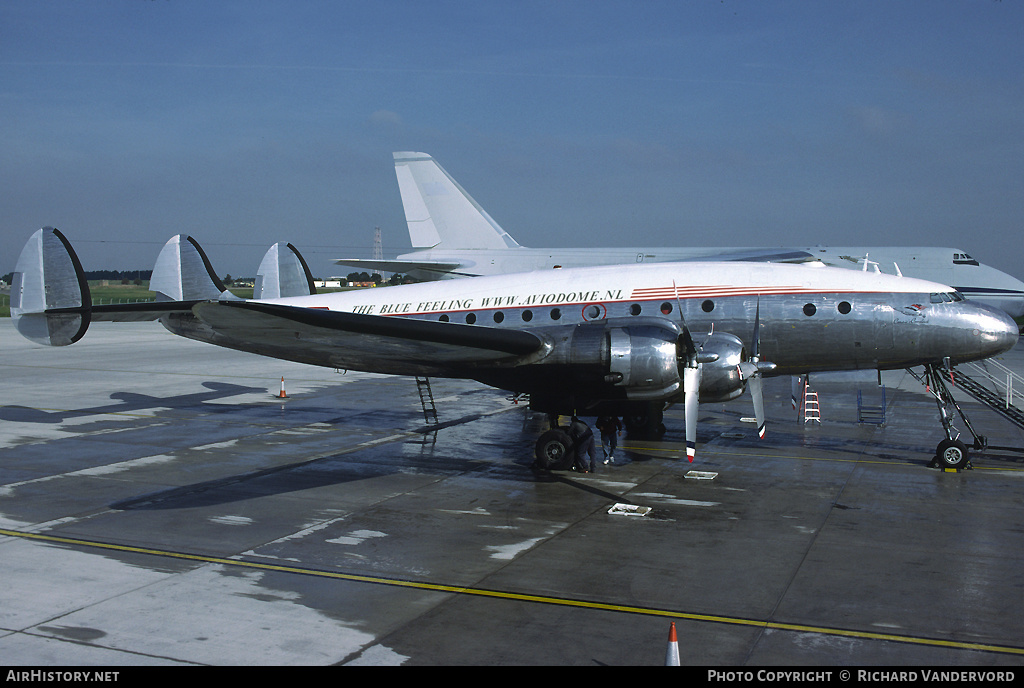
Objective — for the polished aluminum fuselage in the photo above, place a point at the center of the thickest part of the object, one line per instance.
(810, 318)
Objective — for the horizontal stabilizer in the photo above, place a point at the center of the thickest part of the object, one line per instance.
(50, 300)
(183, 273)
(283, 273)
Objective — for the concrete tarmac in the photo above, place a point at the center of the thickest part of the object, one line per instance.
(160, 504)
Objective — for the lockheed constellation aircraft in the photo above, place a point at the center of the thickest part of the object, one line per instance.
(455, 237)
(620, 339)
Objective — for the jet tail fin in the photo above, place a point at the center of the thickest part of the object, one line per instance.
(439, 212)
(50, 299)
(283, 272)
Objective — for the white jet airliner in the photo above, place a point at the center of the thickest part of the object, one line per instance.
(623, 340)
(454, 237)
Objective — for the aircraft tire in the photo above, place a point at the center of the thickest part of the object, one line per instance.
(553, 450)
(952, 454)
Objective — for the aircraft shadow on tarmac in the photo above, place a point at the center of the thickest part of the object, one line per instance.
(127, 402)
(421, 450)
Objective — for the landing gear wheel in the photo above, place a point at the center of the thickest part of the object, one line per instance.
(952, 454)
(552, 450)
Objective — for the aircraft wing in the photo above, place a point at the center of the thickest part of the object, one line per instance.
(400, 266)
(760, 255)
(361, 342)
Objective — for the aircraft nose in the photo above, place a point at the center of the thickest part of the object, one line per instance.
(994, 330)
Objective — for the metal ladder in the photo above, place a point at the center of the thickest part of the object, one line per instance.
(427, 400)
(870, 414)
(812, 412)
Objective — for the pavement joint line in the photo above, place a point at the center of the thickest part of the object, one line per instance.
(521, 597)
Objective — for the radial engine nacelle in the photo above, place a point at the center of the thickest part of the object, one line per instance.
(634, 359)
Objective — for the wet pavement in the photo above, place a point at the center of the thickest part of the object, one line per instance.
(161, 504)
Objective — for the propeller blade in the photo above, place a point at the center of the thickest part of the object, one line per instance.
(691, 401)
(756, 350)
(755, 385)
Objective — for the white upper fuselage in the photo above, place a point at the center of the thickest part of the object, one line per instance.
(948, 266)
(608, 284)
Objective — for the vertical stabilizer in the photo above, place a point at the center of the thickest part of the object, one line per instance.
(183, 273)
(439, 212)
(50, 300)
(283, 273)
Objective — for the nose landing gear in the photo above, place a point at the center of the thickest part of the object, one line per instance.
(951, 453)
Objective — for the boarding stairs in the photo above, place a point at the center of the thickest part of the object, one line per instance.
(994, 385)
(427, 401)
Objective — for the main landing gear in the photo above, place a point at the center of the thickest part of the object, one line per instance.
(951, 453)
(553, 450)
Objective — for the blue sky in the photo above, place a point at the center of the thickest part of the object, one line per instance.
(705, 122)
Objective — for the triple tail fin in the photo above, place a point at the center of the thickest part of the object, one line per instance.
(439, 212)
(282, 273)
(184, 273)
(50, 299)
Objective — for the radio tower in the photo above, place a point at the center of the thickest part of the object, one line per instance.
(378, 251)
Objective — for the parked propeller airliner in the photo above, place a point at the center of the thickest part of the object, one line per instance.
(624, 339)
(454, 237)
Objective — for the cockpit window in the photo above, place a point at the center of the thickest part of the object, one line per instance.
(946, 297)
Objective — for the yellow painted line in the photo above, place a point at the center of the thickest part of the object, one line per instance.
(681, 452)
(522, 597)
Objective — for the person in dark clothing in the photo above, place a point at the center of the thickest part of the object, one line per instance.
(610, 428)
(584, 446)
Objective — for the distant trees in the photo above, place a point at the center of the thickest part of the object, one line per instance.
(122, 276)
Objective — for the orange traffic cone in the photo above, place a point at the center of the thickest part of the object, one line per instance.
(282, 395)
(672, 656)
